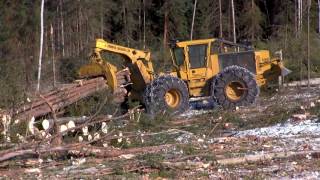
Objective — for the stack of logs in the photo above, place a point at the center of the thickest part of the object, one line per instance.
(57, 99)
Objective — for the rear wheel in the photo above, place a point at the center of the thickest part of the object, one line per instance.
(166, 94)
(235, 86)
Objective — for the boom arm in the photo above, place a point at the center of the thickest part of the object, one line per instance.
(138, 62)
(132, 54)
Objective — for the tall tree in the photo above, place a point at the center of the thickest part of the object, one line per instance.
(177, 19)
(144, 24)
(166, 21)
(125, 22)
(299, 13)
(41, 46)
(233, 22)
(102, 19)
(193, 17)
(53, 56)
(220, 20)
(308, 46)
(207, 21)
(319, 16)
(62, 26)
(251, 20)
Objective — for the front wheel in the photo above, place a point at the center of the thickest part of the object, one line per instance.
(235, 86)
(166, 94)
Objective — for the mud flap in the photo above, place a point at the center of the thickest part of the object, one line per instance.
(285, 71)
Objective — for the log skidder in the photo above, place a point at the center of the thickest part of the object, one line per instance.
(235, 86)
(237, 71)
(166, 94)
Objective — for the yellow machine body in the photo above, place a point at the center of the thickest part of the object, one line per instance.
(213, 57)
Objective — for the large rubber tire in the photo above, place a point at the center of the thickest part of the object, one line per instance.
(243, 85)
(155, 96)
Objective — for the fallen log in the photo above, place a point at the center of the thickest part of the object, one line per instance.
(103, 152)
(303, 83)
(26, 152)
(266, 157)
(186, 165)
(80, 149)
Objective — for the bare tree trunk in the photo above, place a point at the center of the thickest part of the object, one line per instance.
(144, 24)
(41, 47)
(165, 28)
(62, 28)
(252, 31)
(125, 22)
(286, 27)
(193, 17)
(229, 21)
(267, 10)
(45, 42)
(101, 23)
(58, 31)
(299, 34)
(53, 56)
(140, 33)
(220, 20)
(28, 63)
(87, 29)
(296, 17)
(319, 16)
(77, 39)
(80, 28)
(233, 22)
(300, 16)
(308, 53)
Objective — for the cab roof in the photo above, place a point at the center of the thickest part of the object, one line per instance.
(207, 41)
(194, 42)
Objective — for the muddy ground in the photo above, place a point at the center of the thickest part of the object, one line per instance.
(278, 137)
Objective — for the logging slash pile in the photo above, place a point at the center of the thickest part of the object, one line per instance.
(276, 137)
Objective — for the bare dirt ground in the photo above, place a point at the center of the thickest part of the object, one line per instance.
(278, 137)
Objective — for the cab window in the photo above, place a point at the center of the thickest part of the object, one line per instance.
(198, 56)
(179, 56)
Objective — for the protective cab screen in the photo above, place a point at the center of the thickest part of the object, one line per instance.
(243, 59)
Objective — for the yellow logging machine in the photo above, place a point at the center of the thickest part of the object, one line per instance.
(229, 73)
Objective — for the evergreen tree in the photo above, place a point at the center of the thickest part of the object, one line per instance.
(251, 20)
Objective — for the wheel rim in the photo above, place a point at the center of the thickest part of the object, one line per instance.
(173, 98)
(235, 91)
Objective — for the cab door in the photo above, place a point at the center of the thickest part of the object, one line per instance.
(198, 57)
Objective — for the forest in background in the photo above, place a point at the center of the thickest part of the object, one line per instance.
(71, 26)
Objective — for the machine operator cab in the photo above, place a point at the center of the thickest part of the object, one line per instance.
(198, 61)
